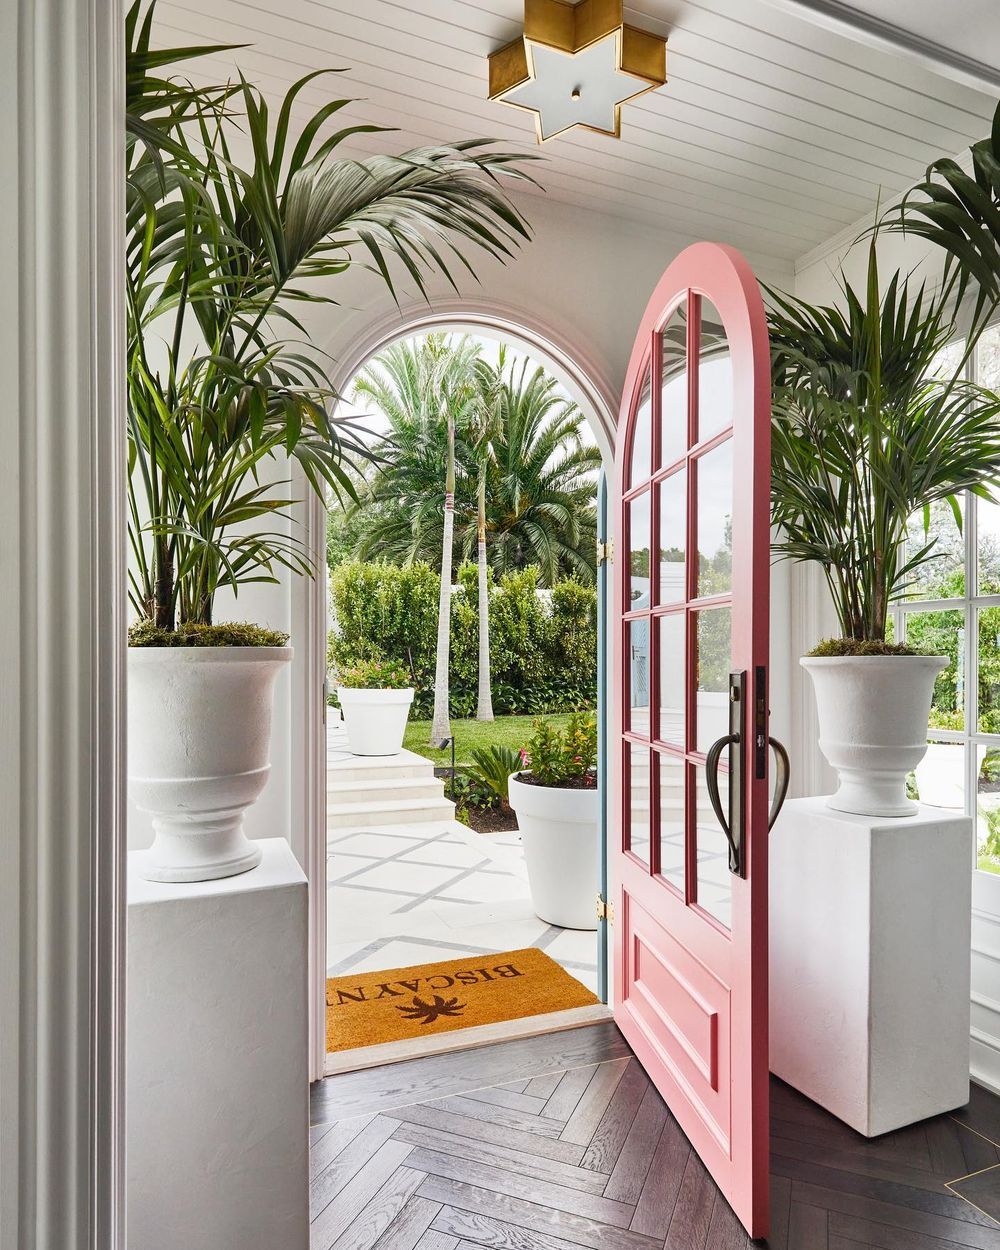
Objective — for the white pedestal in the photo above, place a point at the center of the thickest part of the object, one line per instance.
(869, 967)
(217, 1086)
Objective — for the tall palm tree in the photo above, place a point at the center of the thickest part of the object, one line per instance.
(543, 487)
(540, 485)
(487, 426)
(426, 388)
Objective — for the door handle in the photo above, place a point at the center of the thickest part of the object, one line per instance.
(780, 781)
(734, 836)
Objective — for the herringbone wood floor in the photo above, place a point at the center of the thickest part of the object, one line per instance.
(561, 1142)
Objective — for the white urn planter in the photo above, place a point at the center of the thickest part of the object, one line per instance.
(559, 833)
(873, 712)
(199, 736)
(375, 719)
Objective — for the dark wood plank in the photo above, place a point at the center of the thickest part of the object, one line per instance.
(612, 1130)
(497, 1134)
(725, 1232)
(501, 1097)
(543, 1086)
(409, 1225)
(808, 1226)
(516, 1185)
(692, 1213)
(465, 1105)
(360, 1190)
(419, 1080)
(665, 1179)
(380, 1211)
(781, 1197)
(582, 1124)
(563, 1099)
(348, 1162)
(632, 1165)
(484, 1230)
(883, 1236)
(959, 1231)
(578, 1229)
(503, 1156)
(333, 1141)
(982, 1189)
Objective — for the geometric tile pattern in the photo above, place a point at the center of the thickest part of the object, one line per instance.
(405, 893)
(569, 1145)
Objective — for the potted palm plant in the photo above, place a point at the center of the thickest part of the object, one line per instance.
(225, 393)
(556, 800)
(375, 698)
(865, 438)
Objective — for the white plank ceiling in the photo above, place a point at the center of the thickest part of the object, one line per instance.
(772, 132)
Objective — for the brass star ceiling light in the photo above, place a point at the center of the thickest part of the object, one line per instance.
(576, 65)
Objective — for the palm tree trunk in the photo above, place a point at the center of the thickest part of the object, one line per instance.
(441, 724)
(484, 705)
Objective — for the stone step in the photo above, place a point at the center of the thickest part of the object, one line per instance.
(387, 788)
(350, 768)
(405, 812)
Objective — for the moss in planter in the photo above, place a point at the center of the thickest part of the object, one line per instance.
(230, 634)
(835, 647)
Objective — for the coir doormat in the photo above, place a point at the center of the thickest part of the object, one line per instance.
(365, 1009)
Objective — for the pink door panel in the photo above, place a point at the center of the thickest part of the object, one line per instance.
(691, 766)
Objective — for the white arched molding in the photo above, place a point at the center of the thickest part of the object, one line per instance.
(600, 407)
(62, 625)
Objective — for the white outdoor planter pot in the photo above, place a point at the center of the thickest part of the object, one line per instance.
(375, 720)
(873, 712)
(199, 735)
(559, 833)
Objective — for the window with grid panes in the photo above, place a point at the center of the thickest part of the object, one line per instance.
(955, 611)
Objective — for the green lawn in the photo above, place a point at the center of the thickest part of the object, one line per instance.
(470, 735)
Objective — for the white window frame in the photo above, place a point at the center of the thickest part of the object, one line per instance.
(968, 604)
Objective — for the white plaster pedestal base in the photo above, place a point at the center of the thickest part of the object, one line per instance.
(869, 969)
(218, 1087)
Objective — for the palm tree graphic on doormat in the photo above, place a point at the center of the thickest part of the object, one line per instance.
(427, 1013)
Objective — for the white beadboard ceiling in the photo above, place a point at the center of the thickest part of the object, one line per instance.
(773, 133)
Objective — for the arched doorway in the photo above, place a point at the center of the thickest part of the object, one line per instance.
(594, 399)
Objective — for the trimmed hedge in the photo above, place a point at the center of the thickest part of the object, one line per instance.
(543, 647)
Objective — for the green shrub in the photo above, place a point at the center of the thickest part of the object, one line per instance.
(229, 634)
(493, 766)
(543, 658)
(560, 756)
(374, 675)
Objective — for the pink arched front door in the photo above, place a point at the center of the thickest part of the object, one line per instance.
(690, 794)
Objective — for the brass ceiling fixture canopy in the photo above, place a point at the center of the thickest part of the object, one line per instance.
(576, 65)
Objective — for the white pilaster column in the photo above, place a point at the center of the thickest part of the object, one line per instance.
(61, 623)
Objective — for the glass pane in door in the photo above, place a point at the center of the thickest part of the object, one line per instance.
(714, 880)
(638, 520)
(715, 375)
(637, 764)
(713, 664)
(671, 822)
(714, 485)
(674, 388)
(641, 459)
(637, 657)
(671, 678)
(673, 538)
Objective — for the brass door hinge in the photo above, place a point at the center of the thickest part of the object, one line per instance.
(606, 552)
(605, 910)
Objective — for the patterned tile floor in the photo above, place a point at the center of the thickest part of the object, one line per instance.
(403, 894)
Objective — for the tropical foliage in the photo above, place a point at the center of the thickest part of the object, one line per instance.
(866, 439)
(960, 213)
(561, 756)
(543, 644)
(223, 388)
(533, 465)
